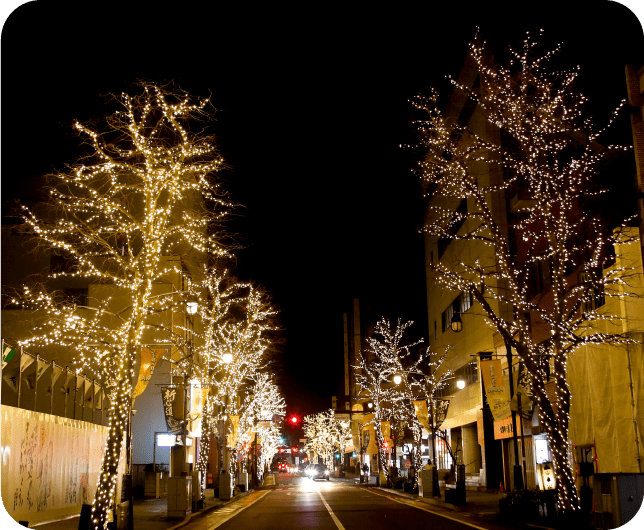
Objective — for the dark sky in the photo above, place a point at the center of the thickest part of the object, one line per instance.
(313, 104)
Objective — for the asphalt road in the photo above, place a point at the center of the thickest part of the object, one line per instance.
(298, 503)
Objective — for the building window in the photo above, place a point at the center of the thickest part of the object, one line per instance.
(468, 373)
(76, 296)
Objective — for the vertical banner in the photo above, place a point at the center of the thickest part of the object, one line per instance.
(169, 395)
(149, 359)
(231, 440)
(197, 398)
(497, 394)
(441, 407)
(420, 407)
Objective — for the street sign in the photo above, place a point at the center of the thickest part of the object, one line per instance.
(259, 452)
(240, 457)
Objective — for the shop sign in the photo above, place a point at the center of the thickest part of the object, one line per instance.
(503, 429)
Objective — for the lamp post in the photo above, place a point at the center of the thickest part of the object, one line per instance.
(225, 479)
(518, 472)
(180, 486)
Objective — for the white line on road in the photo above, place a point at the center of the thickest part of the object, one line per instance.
(333, 516)
(416, 504)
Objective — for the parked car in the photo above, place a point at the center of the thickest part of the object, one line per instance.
(318, 471)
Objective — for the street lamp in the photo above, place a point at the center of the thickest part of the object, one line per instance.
(460, 384)
(191, 307)
(227, 358)
(397, 379)
(457, 324)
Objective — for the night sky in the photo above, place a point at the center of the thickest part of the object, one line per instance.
(313, 104)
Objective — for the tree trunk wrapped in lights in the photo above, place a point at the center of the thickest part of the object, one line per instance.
(146, 192)
(529, 141)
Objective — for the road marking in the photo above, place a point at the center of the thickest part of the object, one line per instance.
(417, 504)
(333, 516)
(233, 513)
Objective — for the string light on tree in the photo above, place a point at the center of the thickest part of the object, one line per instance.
(146, 192)
(545, 146)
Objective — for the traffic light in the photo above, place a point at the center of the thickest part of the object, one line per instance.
(281, 449)
(294, 420)
(295, 449)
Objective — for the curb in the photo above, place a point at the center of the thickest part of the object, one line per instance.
(426, 500)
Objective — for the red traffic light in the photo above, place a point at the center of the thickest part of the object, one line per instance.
(294, 449)
(281, 449)
(294, 420)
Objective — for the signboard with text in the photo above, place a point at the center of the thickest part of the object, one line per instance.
(497, 394)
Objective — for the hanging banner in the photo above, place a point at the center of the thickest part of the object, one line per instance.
(7, 355)
(169, 395)
(523, 386)
(149, 359)
(10, 375)
(497, 394)
(197, 398)
(25, 361)
(420, 407)
(441, 406)
(40, 368)
(56, 371)
(233, 434)
(98, 397)
(68, 380)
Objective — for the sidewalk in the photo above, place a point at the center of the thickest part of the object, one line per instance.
(150, 514)
(482, 505)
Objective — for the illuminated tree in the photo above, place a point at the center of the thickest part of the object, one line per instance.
(240, 348)
(144, 194)
(262, 402)
(529, 140)
(325, 434)
(428, 384)
(388, 356)
(219, 293)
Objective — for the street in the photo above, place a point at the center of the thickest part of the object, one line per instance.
(337, 504)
